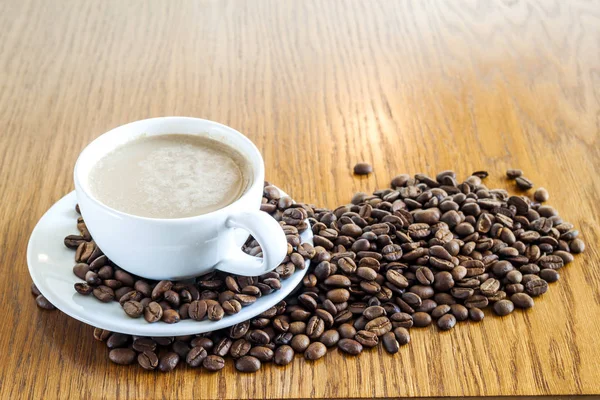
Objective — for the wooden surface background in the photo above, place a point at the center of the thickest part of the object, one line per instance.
(416, 86)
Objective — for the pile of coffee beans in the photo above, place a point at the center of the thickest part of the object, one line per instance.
(425, 251)
(211, 296)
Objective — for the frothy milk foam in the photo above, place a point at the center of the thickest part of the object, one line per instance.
(170, 176)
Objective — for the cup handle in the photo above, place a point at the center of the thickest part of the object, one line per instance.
(268, 234)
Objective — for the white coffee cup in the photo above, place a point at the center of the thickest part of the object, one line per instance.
(181, 248)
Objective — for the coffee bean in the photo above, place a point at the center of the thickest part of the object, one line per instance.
(374, 312)
(104, 293)
(513, 173)
(330, 338)
(198, 309)
(366, 338)
(196, 356)
(541, 195)
(204, 342)
(168, 362)
(153, 312)
(80, 270)
(213, 363)
(144, 344)
(522, 300)
(347, 331)
(283, 355)
(523, 183)
(363, 168)
(476, 314)
(73, 241)
(460, 312)
(380, 326)
(215, 312)
(402, 336)
(117, 340)
(133, 309)
(390, 343)
(315, 351)
(440, 311)
(503, 307)
(247, 364)
(350, 346)
(222, 347)
(83, 288)
(300, 342)
(536, 287)
(160, 289)
(549, 275)
(577, 246)
(101, 334)
(421, 319)
(446, 322)
(148, 360)
(123, 356)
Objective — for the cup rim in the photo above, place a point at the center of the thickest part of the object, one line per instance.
(258, 171)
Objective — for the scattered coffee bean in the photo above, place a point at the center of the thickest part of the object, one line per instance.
(541, 195)
(513, 173)
(122, 356)
(523, 183)
(363, 168)
(43, 303)
(315, 351)
(213, 363)
(390, 343)
(380, 265)
(247, 364)
(503, 307)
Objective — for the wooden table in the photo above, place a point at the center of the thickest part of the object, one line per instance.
(317, 85)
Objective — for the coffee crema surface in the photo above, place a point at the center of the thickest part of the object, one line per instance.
(170, 176)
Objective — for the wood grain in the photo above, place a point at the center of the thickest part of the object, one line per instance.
(412, 87)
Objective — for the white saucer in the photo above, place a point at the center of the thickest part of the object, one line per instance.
(51, 268)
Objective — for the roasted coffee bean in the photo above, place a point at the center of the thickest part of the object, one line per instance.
(133, 309)
(476, 314)
(122, 356)
(390, 343)
(258, 336)
(549, 275)
(181, 348)
(283, 355)
(374, 312)
(204, 342)
(440, 311)
(523, 183)
(101, 334)
(380, 326)
(402, 335)
(148, 360)
(460, 312)
(541, 195)
(350, 346)
(215, 312)
(347, 331)
(330, 337)
(73, 241)
(153, 312)
(142, 344)
(263, 353)
(213, 363)
(117, 340)
(196, 356)
(247, 364)
(315, 351)
(83, 288)
(522, 300)
(503, 307)
(170, 316)
(366, 338)
(577, 246)
(536, 287)
(104, 293)
(421, 319)
(160, 289)
(299, 343)
(513, 173)
(222, 347)
(446, 322)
